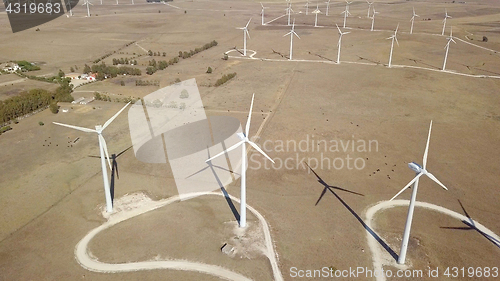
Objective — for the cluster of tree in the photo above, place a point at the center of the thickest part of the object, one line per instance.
(51, 79)
(104, 71)
(151, 54)
(124, 61)
(160, 65)
(147, 83)
(224, 79)
(27, 66)
(104, 97)
(32, 100)
(154, 66)
(5, 129)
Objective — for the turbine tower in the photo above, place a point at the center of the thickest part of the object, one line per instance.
(393, 37)
(339, 44)
(420, 172)
(87, 3)
(104, 153)
(447, 47)
(317, 11)
(242, 143)
(245, 34)
(292, 33)
(346, 12)
(289, 12)
(263, 8)
(307, 8)
(412, 20)
(327, 7)
(369, 6)
(444, 21)
(373, 18)
(68, 8)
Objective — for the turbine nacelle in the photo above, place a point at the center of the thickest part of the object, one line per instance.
(415, 167)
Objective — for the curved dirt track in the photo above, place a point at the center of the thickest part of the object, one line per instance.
(92, 264)
(379, 256)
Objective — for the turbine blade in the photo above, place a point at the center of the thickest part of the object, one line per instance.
(260, 150)
(427, 147)
(463, 209)
(247, 129)
(105, 147)
(287, 34)
(247, 33)
(225, 151)
(321, 196)
(396, 38)
(432, 177)
(114, 116)
(296, 34)
(406, 186)
(262, 5)
(76, 128)
(338, 28)
(248, 22)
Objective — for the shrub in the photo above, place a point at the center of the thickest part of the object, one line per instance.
(177, 80)
(209, 70)
(54, 108)
(485, 39)
(41, 123)
(122, 83)
(5, 129)
(184, 94)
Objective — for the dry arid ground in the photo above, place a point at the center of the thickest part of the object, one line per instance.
(52, 190)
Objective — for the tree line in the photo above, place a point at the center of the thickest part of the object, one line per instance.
(154, 65)
(102, 70)
(33, 100)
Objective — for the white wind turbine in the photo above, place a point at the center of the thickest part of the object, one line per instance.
(393, 37)
(116, 2)
(87, 2)
(289, 11)
(104, 153)
(346, 12)
(68, 8)
(317, 11)
(292, 33)
(373, 17)
(327, 7)
(447, 47)
(242, 143)
(369, 6)
(245, 34)
(444, 21)
(263, 8)
(339, 44)
(420, 172)
(307, 8)
(412, 20)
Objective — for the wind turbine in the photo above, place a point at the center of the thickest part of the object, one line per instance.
(245, 34)
(373, 17)
(289, 11)
(346, 12)
(339, 44)
(104, 153)
(132, 2)
(242, 143)
(412, 20)
(327, 7)
(393, 37)
(444, 21)
(68, 8)
(307, 8)
(420, 172)
(369, 6)
(263, 8)
(347, 5)
(447, 47)
(292, 33)
(116, 2)
(87, 2)
(317, 11)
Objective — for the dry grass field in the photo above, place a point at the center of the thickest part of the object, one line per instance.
(52, 191)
